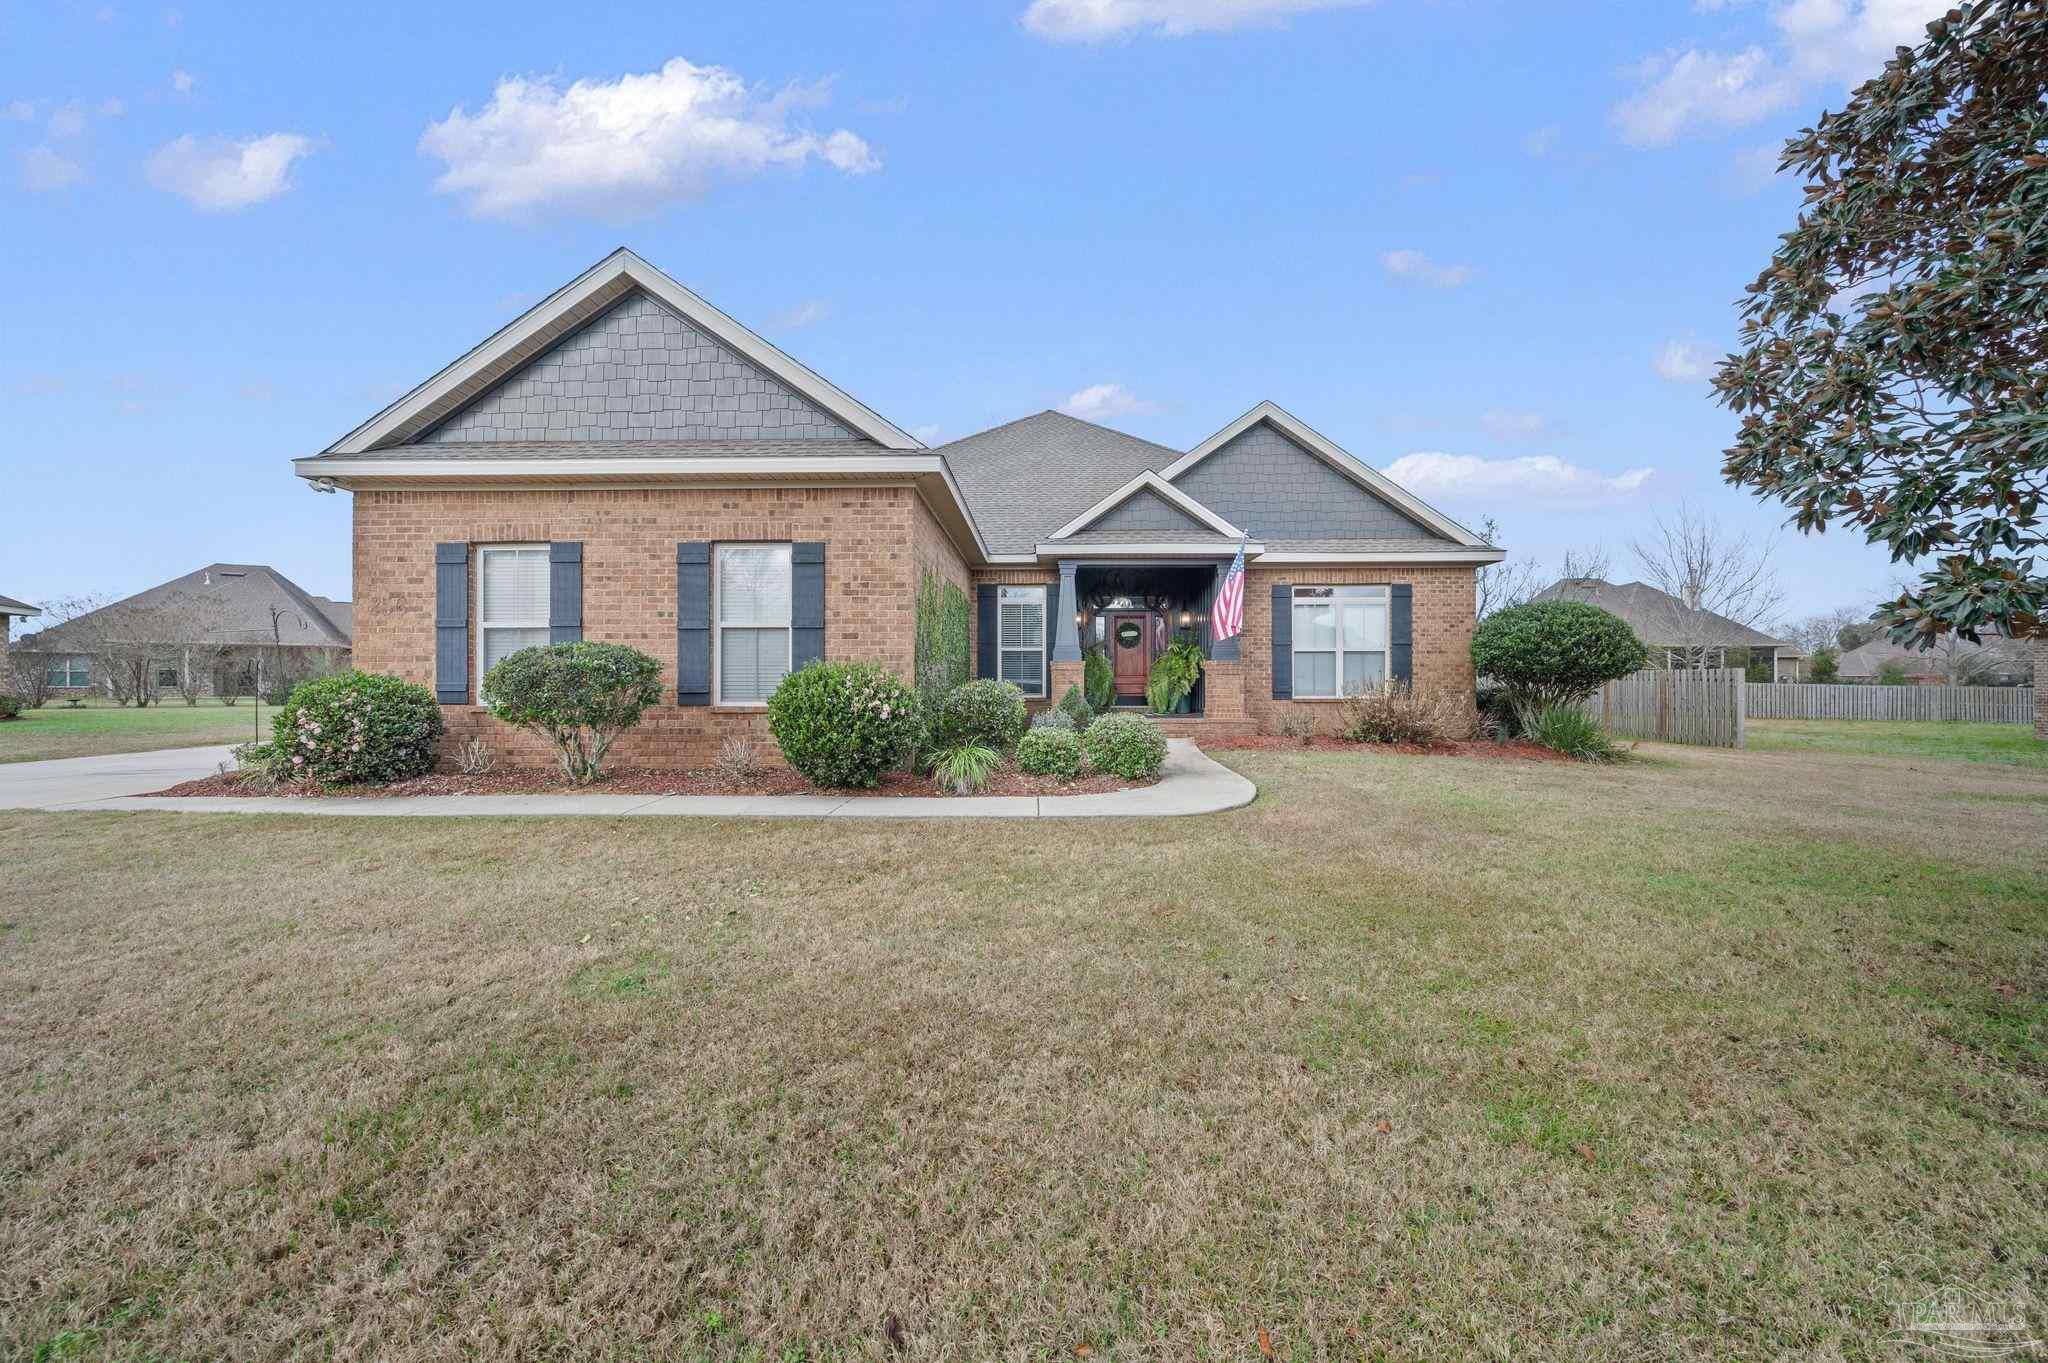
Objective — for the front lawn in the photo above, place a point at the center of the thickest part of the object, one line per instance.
(57, 730)
(1711, 1054)
(1940, 740)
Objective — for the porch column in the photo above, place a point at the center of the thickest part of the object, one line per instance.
(1226, 651)
(1066, 639)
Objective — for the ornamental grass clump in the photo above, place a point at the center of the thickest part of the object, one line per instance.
(843, 724)
(965, 767)
(355, 728)
(580, 697)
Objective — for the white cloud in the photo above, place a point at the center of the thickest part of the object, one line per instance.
(1511, 424)
(1542, 142)
(43, 170)
(67, 120)
(1101, 401)
(1819, 42)
(1433, 473)
(112, 107)
(182, 82)
(929, 433)
(1420, 269)
(1095, 20)
(807, 313)
(1684, 361)
(623, 148)
(217, 175)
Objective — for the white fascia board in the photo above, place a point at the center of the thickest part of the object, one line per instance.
(1118, 549)
(1332, 454)
(609, 276)
(1476, 556)
(1151, 480)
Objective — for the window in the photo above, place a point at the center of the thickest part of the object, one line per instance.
(1340, 633)
(750, 592)
(512, 602)
(72, 671)
(1020, 637)
(167, 676)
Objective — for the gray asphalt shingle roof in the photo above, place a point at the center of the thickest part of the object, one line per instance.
(1027, 478)
(222, 603)
(619, 449)
(1656, 616)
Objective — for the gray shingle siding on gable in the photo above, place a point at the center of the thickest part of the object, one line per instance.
(1146, 511)
(1276, 490)
(639, 372)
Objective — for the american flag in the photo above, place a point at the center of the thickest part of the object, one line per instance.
(1228, 620)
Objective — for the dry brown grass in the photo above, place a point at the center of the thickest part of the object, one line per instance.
(1712, 1054)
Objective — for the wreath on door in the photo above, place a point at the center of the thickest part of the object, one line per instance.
(1128, 634)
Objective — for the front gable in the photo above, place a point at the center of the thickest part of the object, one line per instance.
(1147, 507)
(640, 372)
(1146, 512)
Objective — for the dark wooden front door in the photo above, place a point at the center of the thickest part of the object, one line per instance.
(1130, 651)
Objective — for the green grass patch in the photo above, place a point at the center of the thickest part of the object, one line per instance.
(2007, 744)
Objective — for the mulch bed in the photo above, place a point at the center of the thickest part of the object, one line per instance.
(1515, 750)
(641, 781)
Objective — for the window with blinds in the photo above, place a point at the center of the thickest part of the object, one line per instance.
(1340, 640)
(751, 600)
(1020, 636)
(512, 602)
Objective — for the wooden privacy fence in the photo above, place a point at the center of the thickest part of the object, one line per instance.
(1705, 708)
(1812, 700)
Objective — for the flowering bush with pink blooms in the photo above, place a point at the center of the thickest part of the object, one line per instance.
(843, 724)
(355, 728)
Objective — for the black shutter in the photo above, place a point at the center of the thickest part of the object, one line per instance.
(693, 624)
(1052, 634)
(1401, 634)
(451, 624)
(806, 604)
(985, 630)
(565, 593)
(1283, 642)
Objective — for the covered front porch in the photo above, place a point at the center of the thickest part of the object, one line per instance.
(1132, 610)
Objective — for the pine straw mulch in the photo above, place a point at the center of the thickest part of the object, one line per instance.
(643, 781)
(1514, 750)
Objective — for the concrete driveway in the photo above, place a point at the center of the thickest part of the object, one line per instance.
(73, 782)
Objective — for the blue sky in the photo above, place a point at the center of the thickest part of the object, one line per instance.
(1491, 245)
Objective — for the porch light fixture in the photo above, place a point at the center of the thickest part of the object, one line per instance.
(1187, 618)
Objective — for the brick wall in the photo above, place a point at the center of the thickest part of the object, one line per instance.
(1442, 629)
(873, 538)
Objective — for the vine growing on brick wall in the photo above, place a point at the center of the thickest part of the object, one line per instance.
(942, 658)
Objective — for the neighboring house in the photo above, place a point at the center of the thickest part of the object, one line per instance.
(624, 462)
(10, 611)
(1957, 662)
(227, 627)
(1679, 635)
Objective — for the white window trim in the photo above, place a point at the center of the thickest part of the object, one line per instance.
(718, 623)
(84, 665)
(1039, 649)
(1384, 599)
(483, 551)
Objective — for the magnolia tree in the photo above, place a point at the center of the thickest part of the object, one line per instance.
(1893, 374)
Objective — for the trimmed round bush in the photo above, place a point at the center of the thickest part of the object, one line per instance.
(988, 713)
(10, 706)
(1129, 746)
(843, 724)
(580, 697)
(1075, 706)
(1053, 719)
(1050, 752)
(1552, 653)
(355, 728)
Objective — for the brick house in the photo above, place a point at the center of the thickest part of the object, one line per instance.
(624, 462)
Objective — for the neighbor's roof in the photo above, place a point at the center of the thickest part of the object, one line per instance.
(9, 606)
(222, 603)
(1996, 654)
(1658, 617)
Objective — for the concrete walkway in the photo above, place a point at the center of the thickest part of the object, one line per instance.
(1190, 783)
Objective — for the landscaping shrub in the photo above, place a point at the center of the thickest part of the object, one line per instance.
(356, 728)
(1050, 752)
(965, 767)
(1397, 713)
(10, 707)
(1129, 746)
(1174, 674)
(1075, 706)
(1098, 679)
(1052, 719)
(843, 724)
(1573, 732)
(579, 697)
(990, 713)
(1552, 653)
